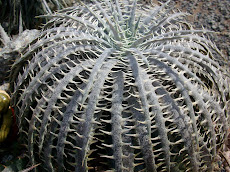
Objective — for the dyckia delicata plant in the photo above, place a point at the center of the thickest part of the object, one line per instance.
(117, 85)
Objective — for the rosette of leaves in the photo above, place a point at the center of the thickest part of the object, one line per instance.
(116, 85)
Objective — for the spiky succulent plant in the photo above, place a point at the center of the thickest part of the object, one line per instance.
(116, 85)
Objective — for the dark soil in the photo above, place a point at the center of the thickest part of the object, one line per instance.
(213, 15)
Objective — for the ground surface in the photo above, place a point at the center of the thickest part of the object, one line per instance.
(213, 15)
